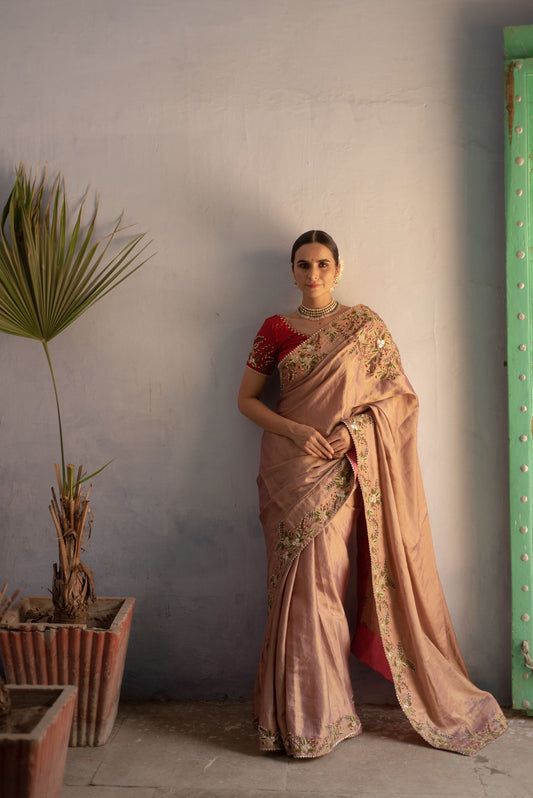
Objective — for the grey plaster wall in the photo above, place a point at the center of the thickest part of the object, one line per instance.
(226, 128)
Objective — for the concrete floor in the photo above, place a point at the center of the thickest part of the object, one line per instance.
(208, 750)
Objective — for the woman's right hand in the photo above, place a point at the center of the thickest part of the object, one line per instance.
(308, 439)
(312, 442)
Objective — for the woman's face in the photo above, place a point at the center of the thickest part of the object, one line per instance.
(314, 270)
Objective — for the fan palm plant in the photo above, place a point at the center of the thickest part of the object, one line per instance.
(50, 273)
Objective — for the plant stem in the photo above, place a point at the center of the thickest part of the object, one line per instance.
(45, 345)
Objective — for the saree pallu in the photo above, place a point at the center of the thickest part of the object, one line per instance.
(350, 372)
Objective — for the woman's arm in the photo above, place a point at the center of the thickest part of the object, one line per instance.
(306, 438)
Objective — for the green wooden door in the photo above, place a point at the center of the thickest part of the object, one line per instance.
(519, 255)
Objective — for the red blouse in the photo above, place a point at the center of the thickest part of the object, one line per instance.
(273, 342)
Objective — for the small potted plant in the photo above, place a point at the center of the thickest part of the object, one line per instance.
(51, 273)
(34, 732)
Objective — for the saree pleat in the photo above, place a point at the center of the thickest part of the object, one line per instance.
(350, 372)
(307, 652)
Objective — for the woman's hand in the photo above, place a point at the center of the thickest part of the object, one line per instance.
(308, 439)
(340, 440)
(312, 442)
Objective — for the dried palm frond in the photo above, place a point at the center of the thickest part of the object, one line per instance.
(73, 584)
(5, 603)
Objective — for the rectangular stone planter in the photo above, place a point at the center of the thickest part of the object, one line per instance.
(89, 656)
(34, 740)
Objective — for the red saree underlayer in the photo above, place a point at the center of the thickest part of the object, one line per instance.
(350, 371)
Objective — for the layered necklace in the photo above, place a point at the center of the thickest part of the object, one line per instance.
(318, 313)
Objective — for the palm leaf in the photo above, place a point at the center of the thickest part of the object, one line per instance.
(51, 274)
(48, 276)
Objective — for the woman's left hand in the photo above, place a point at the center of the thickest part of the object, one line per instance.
(339, 438)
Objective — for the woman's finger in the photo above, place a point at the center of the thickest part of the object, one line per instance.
(340, 438)
(319, 447)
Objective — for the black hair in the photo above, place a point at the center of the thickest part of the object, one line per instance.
(319, 237)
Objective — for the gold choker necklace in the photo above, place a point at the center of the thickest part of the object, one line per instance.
(318, 313)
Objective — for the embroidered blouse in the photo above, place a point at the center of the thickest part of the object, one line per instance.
(273, 342)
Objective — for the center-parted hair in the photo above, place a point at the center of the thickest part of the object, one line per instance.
(316, 237)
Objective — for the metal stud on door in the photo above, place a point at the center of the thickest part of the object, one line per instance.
(518, 43)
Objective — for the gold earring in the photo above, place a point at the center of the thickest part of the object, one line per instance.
(340, 267)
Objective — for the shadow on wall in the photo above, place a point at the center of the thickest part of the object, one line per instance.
(210, 615)
(481, 218)
(199, 622)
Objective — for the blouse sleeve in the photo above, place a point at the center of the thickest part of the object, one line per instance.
(263, 356)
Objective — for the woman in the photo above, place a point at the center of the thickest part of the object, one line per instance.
(340, 453)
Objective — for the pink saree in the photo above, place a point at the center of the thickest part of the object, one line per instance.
(350, 372)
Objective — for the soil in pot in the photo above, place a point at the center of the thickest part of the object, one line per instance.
(27, 709)
(40, 610)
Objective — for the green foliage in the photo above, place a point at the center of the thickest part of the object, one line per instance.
(52, 272)
(49, 275)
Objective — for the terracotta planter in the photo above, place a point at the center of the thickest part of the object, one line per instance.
(34, 740)
(89, 656)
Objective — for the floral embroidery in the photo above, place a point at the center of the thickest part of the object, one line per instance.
(400, 659)
(382, 582)
(269, 740)
(273, 341)
(370, 341)
(262, 358)
(464, 741)
(310, 747)
(304, 358)
(377, 350)
(292, 541)
(361, 333)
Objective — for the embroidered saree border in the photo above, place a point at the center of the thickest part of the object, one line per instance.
(466, 742)
(373, 344)
(360, 341)
(376, 349)
(310, 747)
(292, 541)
